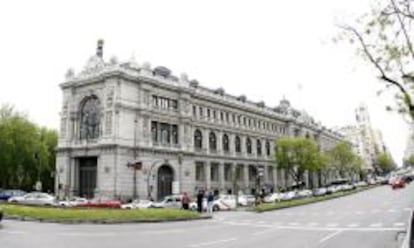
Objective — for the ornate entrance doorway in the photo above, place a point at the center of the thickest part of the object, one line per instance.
(165, 179)
(87, 176)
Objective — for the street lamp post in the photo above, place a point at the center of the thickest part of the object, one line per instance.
(135, 166)
(259, 176)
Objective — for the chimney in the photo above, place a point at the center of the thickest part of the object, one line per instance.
(99, 48)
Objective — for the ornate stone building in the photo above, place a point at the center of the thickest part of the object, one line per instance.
(184, 136)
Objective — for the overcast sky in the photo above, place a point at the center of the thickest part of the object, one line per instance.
(263, 49)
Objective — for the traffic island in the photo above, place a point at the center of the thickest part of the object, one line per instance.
(96, 216)
(299, 202)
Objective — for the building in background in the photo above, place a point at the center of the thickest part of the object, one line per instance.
(409, 148)
(129, 130)
(367, 142)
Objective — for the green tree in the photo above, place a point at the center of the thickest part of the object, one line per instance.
(409, 161)
(343, 159)
(384, 39)
(384, 162)
(296, 156)
(27, 151)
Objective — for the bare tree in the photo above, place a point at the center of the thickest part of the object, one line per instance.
(384, 38)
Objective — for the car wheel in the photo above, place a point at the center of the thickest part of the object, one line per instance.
(216, 208)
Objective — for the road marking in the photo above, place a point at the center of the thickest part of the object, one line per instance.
(332, 225)
(353, 225)
(329, 236)
(375, 210)
(407, 209)
(213, 242)
(277, 223)
(399, 224)
(260, 222)
(88, 234)
(12, 232)
(376, 225)
(359, 212)
(391, 210)
(312, 224)
(293, 224)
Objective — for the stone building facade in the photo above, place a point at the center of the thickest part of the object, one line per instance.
(184, 136)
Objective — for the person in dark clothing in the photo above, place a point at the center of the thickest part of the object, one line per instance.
(200, 197)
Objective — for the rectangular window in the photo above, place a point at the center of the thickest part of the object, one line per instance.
(244, 120)
(154, 101)
(200, 111)
(208, 113)
(194, 110)
(174, 134)
(165, 133)
(221, 116)
(174, 104)
(234, 118)
(214, 172)
(200, 172)
(227, 172)
(214, 114)
(227, 117)
(154, 131)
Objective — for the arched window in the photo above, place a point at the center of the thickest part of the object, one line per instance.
(267, 148)
(226, 146)
(237, 144)
(198, 139)
(249, 146)
(212, 141)
(259, 147)
(90, 118)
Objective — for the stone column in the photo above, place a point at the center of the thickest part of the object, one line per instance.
(206, 138)
(245, 169)
(222, 180)
(207, 167)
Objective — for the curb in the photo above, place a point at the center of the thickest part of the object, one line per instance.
(31, 219)
(316, 201)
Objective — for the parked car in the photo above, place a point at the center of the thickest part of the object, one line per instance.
(290, 195)
(194, 206)
(347, 187)
(1, 214)
(76, 201)
(304, 193)
(169, 201)
(137, 204)
(35, 198)
(101, 203)
(320, 192)
(275, 197)
(333, 189)
(224, 202)
(6, 194)
(246, 200)
(399, 183)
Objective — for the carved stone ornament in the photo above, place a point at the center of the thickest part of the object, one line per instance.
(90, 118)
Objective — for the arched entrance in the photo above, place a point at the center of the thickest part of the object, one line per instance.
(165, 179)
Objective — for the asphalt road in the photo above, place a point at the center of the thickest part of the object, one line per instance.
(368, 219)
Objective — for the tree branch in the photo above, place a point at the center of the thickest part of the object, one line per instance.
(384, 77)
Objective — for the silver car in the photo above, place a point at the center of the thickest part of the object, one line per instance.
(35, 198)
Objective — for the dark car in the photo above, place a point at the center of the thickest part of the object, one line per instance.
(6, 194)
(1, 214)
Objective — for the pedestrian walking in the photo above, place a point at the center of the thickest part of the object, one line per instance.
(200, 197)
(210, 200)
(185, 201)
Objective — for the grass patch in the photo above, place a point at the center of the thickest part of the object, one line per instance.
(298, 202)
(96, 215)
